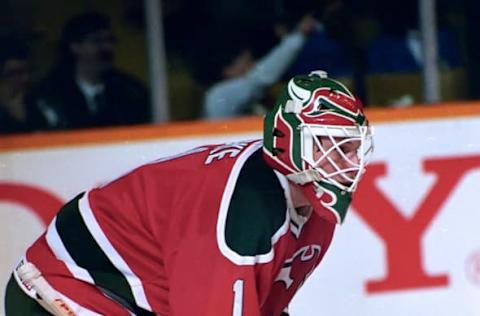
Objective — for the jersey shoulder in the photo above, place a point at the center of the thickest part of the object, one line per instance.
(256, 215)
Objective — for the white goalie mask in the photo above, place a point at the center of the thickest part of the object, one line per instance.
(318, 136)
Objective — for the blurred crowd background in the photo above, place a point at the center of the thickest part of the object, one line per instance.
(83, 63)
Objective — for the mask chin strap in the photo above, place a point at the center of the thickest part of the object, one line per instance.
(303, 177)
(312, 175)
(308, 176)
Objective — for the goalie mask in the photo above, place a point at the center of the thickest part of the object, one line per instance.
(318, 136)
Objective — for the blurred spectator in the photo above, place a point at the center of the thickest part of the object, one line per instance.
(84, 89)
(324, 50)
(331, 45)
(338, 43)
(15, 80)
(243, 80)
(398, 47)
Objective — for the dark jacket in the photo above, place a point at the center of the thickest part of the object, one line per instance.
(58, 103)
(11, 125)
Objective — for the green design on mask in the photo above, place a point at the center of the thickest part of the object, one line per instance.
(341, 199)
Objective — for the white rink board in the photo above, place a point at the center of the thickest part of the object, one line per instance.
(450, 244)
(357, 254)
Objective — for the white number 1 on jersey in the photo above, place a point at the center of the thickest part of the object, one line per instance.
(237, 298)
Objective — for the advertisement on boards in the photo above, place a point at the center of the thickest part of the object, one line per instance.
(410, 243)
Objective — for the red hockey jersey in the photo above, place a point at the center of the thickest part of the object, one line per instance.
(208, 232)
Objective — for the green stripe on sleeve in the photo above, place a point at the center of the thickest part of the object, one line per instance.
(87, 254)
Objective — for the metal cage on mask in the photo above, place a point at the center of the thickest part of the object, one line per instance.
(355, 160)
(311, 111)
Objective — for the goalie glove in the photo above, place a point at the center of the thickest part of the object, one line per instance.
(31, 281)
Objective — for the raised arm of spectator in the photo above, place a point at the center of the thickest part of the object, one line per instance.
(232, 97)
